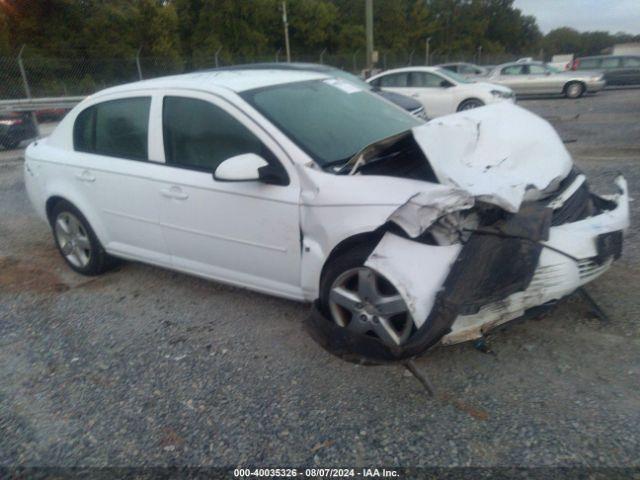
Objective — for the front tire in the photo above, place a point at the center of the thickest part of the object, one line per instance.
(77, 242)
(361, 300)
(574, 90)
(470, 103)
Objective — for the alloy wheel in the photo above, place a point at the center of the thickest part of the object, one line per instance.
(73, 239)
(364, 302)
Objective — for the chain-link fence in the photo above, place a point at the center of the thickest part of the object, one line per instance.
(36, 76)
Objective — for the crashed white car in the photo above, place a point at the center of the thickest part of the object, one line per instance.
(300, 185)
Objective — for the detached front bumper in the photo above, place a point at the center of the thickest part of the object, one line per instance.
(574, 254)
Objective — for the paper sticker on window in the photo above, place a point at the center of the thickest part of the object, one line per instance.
(343, 85)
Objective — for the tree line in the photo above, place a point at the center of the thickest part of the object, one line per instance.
(192, 30)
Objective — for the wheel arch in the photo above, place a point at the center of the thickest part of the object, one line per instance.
(54, 198)
(469, 99)
(371, 237)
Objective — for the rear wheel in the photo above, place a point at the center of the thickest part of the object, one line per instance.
(77, 241)
(574, 89)
(363, 301)
(470, 103)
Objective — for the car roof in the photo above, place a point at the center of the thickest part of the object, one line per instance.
(296, 66)
(609, 56)
(233, 80)
(409, 69)
(519, 64)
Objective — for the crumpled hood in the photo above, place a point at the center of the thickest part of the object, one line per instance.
(501, 154)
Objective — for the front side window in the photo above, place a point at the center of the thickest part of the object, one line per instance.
(329, 120)
(631, 62)
(115, 128)
(200, 135)
(536, 70)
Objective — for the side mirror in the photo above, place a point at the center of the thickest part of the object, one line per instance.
(241, 168)
(249, 167)
(446, 84)
(547, 72)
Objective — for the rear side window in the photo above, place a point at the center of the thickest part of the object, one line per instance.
(116, 128)
(536, 69)
(613, 62)
(200, 135)
(631, 62)
(513, 70)
(394, 80)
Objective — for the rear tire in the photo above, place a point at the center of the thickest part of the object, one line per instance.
(77, 242)
(470, 103)
(574, 89)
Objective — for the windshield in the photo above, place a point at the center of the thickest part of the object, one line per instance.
(330, 119)
(454, 76)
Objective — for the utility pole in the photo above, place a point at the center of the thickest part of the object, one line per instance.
(27, 89)
(426, 51)
(286, 31)
(368, 13)
(138, 64)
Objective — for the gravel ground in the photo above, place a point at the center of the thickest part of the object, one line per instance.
(146, 367)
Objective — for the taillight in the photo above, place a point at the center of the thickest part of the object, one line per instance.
(10, 122)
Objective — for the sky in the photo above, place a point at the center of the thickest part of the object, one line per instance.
(584, 15)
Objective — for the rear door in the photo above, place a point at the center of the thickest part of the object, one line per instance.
(113, 175)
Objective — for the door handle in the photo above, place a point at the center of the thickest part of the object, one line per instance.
(415, 95)
(86, 176)
(174, 192)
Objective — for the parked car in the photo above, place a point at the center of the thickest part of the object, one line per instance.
(468, 70)
(305, 186)
(535, 78)
(51, 114)
(407, 103)
(440, 91)
(618, 69)
(16, 127)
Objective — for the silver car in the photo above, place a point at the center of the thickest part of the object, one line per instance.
(532, 78)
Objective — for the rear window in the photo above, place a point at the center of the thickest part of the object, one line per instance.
(116, 128)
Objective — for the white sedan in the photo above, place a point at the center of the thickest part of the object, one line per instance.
(441, 91)
(304, 186)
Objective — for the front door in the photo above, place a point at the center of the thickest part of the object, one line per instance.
(244, 233)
